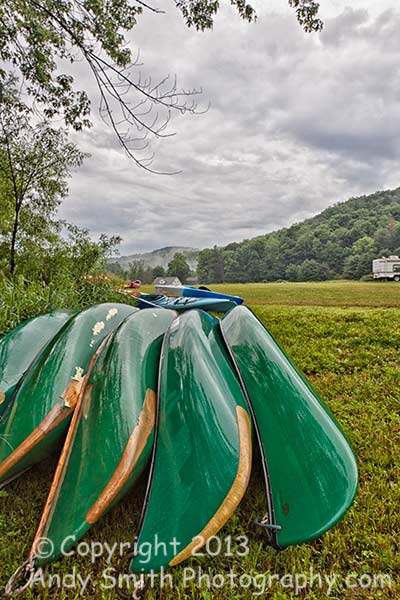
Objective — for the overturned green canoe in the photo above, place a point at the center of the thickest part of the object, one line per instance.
(21, 345)
(310, 469)
(202, 456)
(111, 434)
(44, 401)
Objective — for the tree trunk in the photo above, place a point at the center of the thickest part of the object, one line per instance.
(14, 239)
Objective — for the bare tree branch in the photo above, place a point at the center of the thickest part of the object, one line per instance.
(120, 103)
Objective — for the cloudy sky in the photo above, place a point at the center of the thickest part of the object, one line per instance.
(296, 123)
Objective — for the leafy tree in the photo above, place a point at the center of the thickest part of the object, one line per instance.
(83, 255)
(179, 267)
(210, 266)
(158, 271)
(304, 245)
(251, 258)
(216, 265)
(358, 263)
(203, 265)
(311, 270)
(35, 163)
(232, 267)
(388, 238)
(139, 270)
(40, 38)
(292, 272)
(364, 245)
(116, 269)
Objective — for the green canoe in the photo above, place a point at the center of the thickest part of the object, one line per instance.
(111, 434)
(44, 401)
(202, 456)
(21, 345)
(310, 469)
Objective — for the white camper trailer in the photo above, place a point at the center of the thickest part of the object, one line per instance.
(386, 268)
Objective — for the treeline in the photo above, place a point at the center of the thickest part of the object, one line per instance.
(340, 242)
(177, 267)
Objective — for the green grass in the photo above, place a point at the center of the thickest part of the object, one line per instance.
(345, 337)
(325, 293)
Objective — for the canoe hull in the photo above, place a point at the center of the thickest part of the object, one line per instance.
(202, 456)
(310, 469)
(112, 428)
(44, 401)
(189, 292)
(181, 304)
(21, 345)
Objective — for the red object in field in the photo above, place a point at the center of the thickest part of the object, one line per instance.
(135, 284)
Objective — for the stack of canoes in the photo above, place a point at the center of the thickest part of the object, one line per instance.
(187, 394)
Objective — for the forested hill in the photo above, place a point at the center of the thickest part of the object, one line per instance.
(341, 241)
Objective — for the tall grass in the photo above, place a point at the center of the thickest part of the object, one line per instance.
(21, 299)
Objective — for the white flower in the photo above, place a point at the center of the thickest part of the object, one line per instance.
(98, 327)
(111, 313)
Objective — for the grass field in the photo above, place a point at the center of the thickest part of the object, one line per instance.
(326, 293)
(346, 338)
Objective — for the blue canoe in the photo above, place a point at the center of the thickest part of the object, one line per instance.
(181, 304)
(190, 292)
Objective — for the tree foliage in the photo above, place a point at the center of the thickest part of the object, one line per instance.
(158, 271)
(210, 266)
(35, 163)
(178, 267)
(137, 270)
(307, 14)
(340, 242)
(201, 13)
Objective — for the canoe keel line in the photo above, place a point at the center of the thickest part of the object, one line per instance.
(183, 393)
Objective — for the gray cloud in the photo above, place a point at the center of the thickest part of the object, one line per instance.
(297, 122)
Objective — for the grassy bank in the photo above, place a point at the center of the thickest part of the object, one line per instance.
(345, 337)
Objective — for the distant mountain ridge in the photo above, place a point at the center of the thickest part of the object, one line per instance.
(339, 242)
(160, 257)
